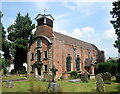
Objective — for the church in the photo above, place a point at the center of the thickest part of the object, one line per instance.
(67, 54)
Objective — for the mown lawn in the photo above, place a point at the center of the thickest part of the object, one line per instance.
(24, 86)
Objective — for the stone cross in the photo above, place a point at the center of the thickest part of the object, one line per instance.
(53, 69)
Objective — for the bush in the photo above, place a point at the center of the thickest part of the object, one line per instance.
(74, 75)
(109, 66)
(4, 70)
(13, 71)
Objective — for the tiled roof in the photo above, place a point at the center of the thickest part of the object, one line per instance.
(73, 41)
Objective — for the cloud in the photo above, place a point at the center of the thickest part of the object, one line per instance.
(85, 8)
(85, 33)
(60, 30)
(109, 34)
(67, 5)
(76, 33)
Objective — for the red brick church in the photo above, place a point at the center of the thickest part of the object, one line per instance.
(67, 54)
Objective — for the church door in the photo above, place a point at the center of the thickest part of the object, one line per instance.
(39, 71)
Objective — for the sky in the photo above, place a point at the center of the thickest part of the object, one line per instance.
(87, 21)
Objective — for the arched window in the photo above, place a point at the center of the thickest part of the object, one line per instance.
(78, 63)
(68, 62)
(38, 55)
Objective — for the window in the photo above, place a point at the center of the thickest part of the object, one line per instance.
(68, 63)
(78, 63)
(38, 55)
(45, 54)
(32, 56)
(45, 67)
(39, 43)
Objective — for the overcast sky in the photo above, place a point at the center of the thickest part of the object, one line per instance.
(87, 21)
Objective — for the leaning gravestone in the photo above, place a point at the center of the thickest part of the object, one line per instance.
(100, 83)
(85, 77)
(9, 84)
(53, 86)
(106, 78)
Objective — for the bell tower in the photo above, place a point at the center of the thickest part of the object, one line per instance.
(44, 25)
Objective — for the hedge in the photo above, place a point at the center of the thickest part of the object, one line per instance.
(109, 66)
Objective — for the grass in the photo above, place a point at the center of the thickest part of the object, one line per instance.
(24, 86)
(13, 77)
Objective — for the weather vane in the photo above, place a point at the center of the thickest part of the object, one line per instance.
(44, 10)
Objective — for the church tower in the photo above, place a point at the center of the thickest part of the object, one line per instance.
(44, 25)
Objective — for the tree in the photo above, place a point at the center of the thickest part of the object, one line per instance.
(4, 45)
(116, 22)
(20, 34)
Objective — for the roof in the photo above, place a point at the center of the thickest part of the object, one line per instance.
(39, 16)
(73, 41)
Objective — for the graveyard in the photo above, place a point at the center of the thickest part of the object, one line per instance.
(65, 85)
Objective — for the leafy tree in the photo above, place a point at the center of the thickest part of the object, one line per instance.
(20, 34)
(116, 22)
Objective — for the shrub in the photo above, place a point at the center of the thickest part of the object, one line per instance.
(118, 69)
(37, 86)
(73, 74)
(109, 66)
(4, 70)
(13, 71)
(22, 70)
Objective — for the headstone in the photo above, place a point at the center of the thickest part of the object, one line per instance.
(10, 84)
(100, 83)
(53, 86)
(106, 78)
(84, 77)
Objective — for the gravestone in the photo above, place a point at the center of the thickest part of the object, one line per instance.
(9, 84)
(100, 83)
(84, 77)
(106, 78)
(53, 86)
